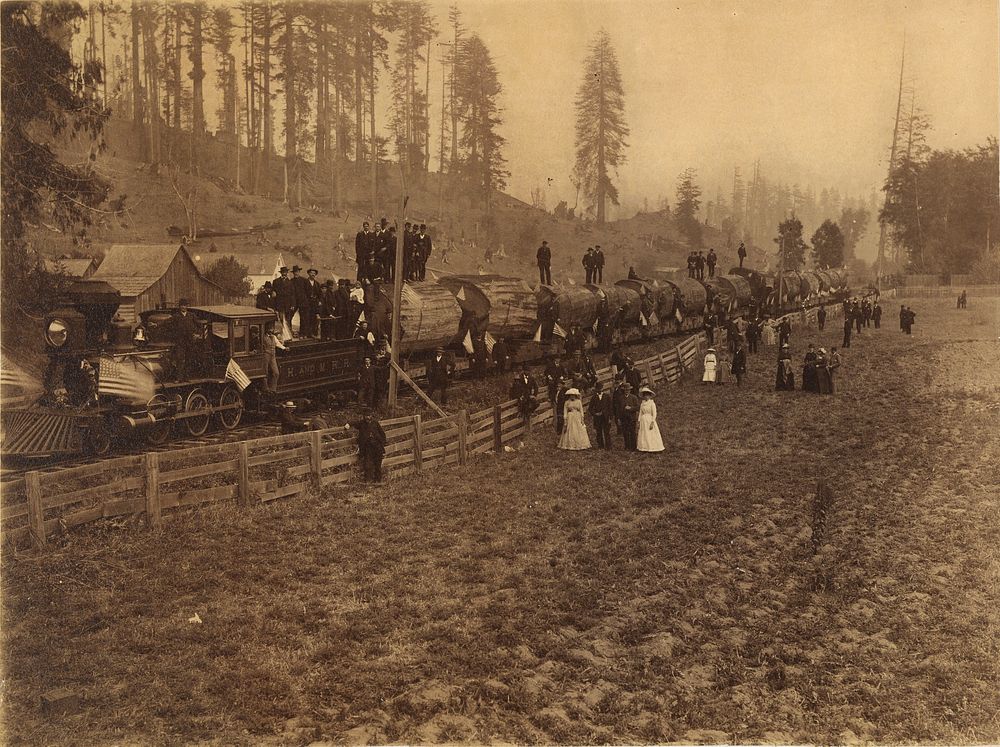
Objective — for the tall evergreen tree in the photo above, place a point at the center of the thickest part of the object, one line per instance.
(791, 247)
(600, 124)
(46, 97)
(828, 246)
(415, 28)
(477, 94)
(688, 203)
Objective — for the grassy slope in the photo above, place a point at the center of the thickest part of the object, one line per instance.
(590, 597)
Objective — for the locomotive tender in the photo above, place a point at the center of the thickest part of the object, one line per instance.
(84, 332)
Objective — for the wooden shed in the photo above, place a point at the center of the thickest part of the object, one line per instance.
(151, 276)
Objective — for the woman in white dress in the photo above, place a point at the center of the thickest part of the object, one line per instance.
(574, 434)
(649, 438)
(711, 363)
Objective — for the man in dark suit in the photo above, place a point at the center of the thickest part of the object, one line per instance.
(371, 446)
(425, 246)
(438, 374)
(366, 383)
(300, 291)
(601, 410)
(739, 364)
(741, 253)
(185, 329)
(544, 258)
(711, 260)
(630, 417)
(588, 264)
(524, 390)
(501, 355)
(284, 296)
(821, 317)
(553, 372)
(598, 265)
(364, 243)
(309, 310)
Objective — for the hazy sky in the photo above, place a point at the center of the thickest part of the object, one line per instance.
(808, 87)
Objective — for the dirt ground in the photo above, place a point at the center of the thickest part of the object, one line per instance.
(592, 597)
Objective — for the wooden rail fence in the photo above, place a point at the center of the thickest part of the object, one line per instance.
(42, 504)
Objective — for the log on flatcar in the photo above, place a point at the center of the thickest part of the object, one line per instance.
(429, 317)
(503, 306)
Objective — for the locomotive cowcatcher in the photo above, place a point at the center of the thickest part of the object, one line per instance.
(109, 381)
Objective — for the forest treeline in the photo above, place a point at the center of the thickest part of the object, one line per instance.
(299, 82)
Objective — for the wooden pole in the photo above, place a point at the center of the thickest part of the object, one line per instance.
(417, 389)
(36, 513)
(463, 423)
(497, 425)
(243, 496)
(316, 456)
(153, 489)
(418, 443)
(397, 299)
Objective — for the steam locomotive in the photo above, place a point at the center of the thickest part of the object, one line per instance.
(88, 347)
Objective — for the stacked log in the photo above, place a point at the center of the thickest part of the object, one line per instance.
(622, 303)
(567, 305)
(502, 305)
(429, 317)
(649, 295)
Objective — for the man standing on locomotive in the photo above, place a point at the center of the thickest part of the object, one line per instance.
(284, 297)
(272, 343)
(185, 328)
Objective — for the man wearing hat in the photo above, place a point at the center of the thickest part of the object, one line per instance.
(371, 446)
(284, 296)
(601, 410)
(598, 265)
(784, 379)
(271, 344)
(544, 258)
(300, 289)
(289, 422)
(364, 244)
(366, 383)
(630, 417)
(327, 308)
(185, 329)
(407, 251)
(588, 264)
(438, 373)
(309, 308)
(739, 364)
(424, 249)
(524, 390)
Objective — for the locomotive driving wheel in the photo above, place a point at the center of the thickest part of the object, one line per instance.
(97, 438)
(159, 408)
(196, 425)
(230, 397)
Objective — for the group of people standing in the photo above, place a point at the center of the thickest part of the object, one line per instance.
(375, 251)
(311, 300)
(593, 265)
(818, 370)
(697, 262)
(858, 314)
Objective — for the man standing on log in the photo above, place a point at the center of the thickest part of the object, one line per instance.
(424, 251)
(364, 243)
(544, 257)
(588, 265)
(598, 265)
(741, 253)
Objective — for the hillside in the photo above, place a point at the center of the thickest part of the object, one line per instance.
(325, 238)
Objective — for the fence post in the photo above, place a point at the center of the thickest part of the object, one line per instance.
(497, 424)
(680, 361)
(649, 371)
(36, 514)
(418, 443)
(316, 456)
(463, 420)
(243, 490)
(153, 489)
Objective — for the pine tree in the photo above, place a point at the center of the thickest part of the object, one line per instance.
(791, 247)
(45, 96)
(415, 29)
(477, 93)
(600, 124)
(828, 246)
(196, 14)
(687, 205)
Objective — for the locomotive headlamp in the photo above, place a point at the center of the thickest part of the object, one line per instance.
(57, 333)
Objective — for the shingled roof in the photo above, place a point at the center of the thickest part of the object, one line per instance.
(76, 268)
(132, 268)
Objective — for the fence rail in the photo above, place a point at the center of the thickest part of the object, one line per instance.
(265, 469)
(947, 291)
